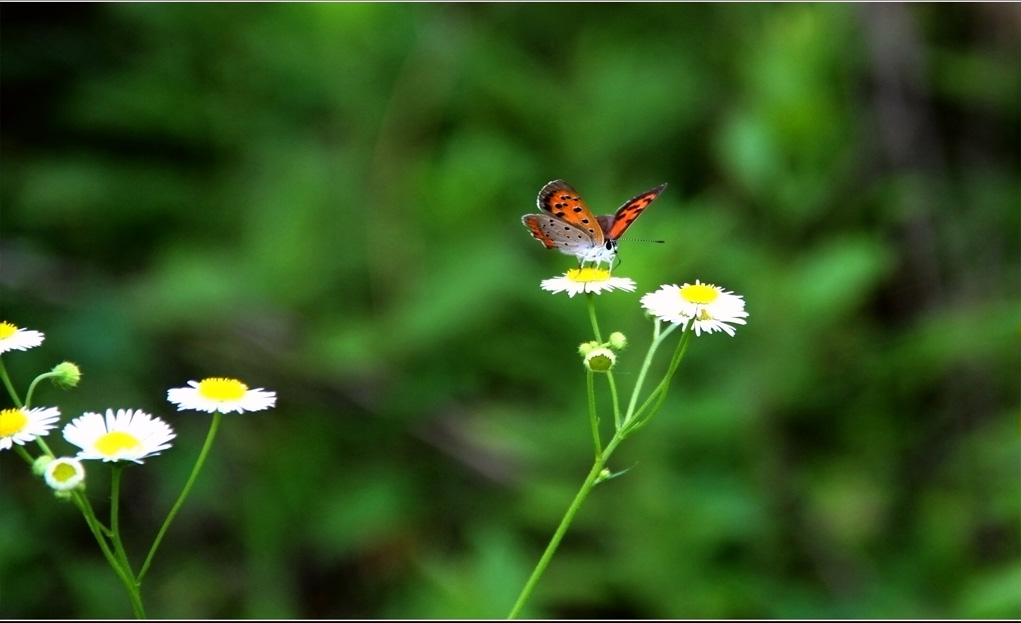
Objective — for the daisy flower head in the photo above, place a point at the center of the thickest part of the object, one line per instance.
(13, 338)
(127, 435)
(20, 426)
(587, 279)
(220, 394)
(64, 474)
(709, 308)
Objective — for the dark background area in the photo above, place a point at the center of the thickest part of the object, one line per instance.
(324, 200)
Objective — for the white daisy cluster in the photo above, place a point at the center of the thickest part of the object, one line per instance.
(707, 307)
(122, 435)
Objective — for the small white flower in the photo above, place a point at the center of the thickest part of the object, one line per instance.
(708, 307)
(587, 279)
(127, 435)
(13, 338)
(64, 474)
(21, 426)
(220, 394)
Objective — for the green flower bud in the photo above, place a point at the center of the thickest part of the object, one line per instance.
(39, 465)
(64, 474)
(600, 359)
(66, 374)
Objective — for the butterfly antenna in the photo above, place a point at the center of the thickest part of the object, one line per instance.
(644, 240)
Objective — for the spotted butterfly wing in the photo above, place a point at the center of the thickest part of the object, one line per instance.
(566, 222)
(614, 226)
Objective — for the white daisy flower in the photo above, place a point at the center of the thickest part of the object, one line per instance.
(708, 307)
(587, 279)
(64, 474)
(127, 435)
(13, 338)
(21, 426)
(223, 395)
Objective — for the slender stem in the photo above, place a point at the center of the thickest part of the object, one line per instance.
(660, 392)
(115, 516)
(10, 386)
(615, 398)
(593, 418)
(45, 448)
(641, 374)
(123, 574)
(23, 453)
(31, 386)
(631, 422)
(184, 493)
(592, 315)
(572, 510)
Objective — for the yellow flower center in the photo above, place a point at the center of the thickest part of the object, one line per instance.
(222, 389)
(699, 293)
(12, 420)
(111, 444)
(588, 274)
(7, 330)
(64, 472)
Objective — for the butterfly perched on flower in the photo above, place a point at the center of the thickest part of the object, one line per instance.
(568, 225)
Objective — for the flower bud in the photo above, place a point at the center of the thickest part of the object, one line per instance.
(66, 374)
(64, 474)
(39, 465)
(600, 359)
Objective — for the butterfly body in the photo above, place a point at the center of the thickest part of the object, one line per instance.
(567, 224)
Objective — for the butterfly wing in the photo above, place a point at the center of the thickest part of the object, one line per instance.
(556, 233)
(558, 199)
(626, 214)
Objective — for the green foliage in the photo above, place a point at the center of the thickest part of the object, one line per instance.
(324, 200)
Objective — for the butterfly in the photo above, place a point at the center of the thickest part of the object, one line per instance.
(568, 225)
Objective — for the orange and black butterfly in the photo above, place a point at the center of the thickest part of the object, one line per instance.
(568, 225)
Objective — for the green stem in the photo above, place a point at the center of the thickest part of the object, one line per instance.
(45, 448)
(631, 422)
(593, 418)
(23, 453)
(31, 387)
(10, 386)
(615, 398)
(589, 297)
(115, 516)
(572, 510)
(123, 574)
(184, 493)
(657, 340)
(661, 389)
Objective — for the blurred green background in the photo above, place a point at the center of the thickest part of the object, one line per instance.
(324, 200)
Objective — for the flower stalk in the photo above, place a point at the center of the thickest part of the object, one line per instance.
(121, 437)
(694, 309)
